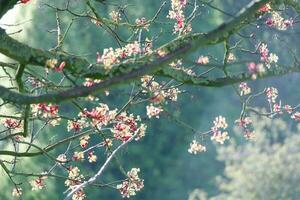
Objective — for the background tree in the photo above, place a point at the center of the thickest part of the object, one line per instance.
(266, 168)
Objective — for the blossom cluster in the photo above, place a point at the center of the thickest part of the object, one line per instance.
(17, 192)
(112, 56)
(75, 178)
(159, 93)
(265, 8)
(256, 69)
(123, 125)
(38, 183)
(275, 20)
(203, 60)
(84, 141)
(14, 126)
(133, 184)
(47, 111)
(245, 123)
(278, 22)
(272, 94)
(54, 64)
(196, 147)
(177, 13)
(296, 116)
(11, 123)
(115, 16)
(76, 125)
(153, 111)
(24, 1)
(244, 89)
(276, 107)
(62, 158)
(126, 126)
(217, 134)
(266, 57)
(98, 116)
(142, 22)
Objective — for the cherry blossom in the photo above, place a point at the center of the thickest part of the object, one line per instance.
(25, 1)
(11, 123)
(217, 134)
(47, 111)
(78, 156)
(126, 126)
(220, 122)
(265, 8)
(38, 183)
(132, 185)
(79, 195)
(177, 13)
(220, 136)
(62, 158)
(60, 67)
(74, 177)
(296, 116)
(17, 192)
(244, 89)
(115, 16)
(278, 22)
(92, 157)
(272, 94)
(203, 60)
(288, 108)
(84, 141)
(195, 148)
(256, 69)
(153, 111)
(244, 122)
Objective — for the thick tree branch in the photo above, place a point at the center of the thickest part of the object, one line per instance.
(82, 91)
(123, 72)
(182, 77)
(27, 55)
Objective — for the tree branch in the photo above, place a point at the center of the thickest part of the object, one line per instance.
(125, 71)
(182, 77)
(99, 173)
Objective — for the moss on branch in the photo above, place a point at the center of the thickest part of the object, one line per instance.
(124, 72)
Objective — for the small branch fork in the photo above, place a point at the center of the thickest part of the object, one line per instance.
(100, 172)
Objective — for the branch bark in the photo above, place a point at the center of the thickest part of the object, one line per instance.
(125, 71)
(182, 77)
